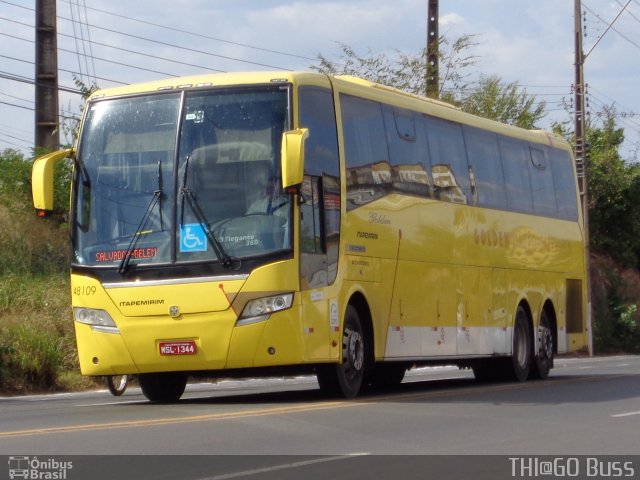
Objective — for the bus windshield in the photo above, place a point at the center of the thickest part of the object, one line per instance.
(181, 177)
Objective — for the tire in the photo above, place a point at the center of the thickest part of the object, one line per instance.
(347, 378)
(117, 384)
(387, 375)
(543, 361)
(489, 370)
(163, 387)
(519, 365)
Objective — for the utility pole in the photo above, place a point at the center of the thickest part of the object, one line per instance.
(432, 53)
(47, 125)
(579, 92)
(581, 154)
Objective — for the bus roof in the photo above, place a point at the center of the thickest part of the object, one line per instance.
(343, 83)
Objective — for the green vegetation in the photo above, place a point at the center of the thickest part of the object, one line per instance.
(37, 345)
(614, 216)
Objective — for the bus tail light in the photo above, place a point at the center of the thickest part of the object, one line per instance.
(260, 309)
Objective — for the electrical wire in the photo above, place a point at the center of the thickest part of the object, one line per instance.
(186, 49)
(30, 81)
(171, 45)
(120, 49)
(609, 26)
(199, 35)
(97, 58)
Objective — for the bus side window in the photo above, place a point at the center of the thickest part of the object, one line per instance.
(565, 184)
(366, 153)
(544, 198)
(515, 160)
(407, 152)
(450, 169)
(484, 159)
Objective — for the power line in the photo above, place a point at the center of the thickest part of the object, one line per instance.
(121, 49)
(18, 106)
(629, 12)
(75, 37)
(609, 27)
(18, 130)
(97, 58)
(17, 98)
(5, 134)
(188, 49)
(61, 69)
(30, 81)
(33, 109)
(9, 142)
(187, 32)
(167, 44)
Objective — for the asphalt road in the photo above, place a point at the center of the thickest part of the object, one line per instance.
(277, 428)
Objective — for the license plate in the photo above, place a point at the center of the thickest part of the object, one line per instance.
(187, 347)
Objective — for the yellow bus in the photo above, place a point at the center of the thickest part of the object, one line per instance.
(263, 223)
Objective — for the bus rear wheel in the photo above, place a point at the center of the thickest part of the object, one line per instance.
(543, 362)
(163, 387)
(520, 362)
(346, 378)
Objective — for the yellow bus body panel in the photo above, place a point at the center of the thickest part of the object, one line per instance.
(209, 311)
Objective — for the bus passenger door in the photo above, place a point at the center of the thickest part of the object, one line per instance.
(313, 272)
(319, 205)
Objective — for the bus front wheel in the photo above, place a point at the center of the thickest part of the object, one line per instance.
(346, 378)
(117, 384)
(163, 387)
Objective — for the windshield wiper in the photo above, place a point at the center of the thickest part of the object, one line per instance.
(156, 199)
(187, 193)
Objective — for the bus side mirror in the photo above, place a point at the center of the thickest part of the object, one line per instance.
(293, 157)
(42, 180)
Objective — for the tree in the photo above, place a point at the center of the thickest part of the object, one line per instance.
(406, 71)
(614, 227)
(504, 102)
(614, 194)
(490, 97)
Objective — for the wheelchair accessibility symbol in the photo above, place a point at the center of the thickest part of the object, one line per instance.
(193, 238)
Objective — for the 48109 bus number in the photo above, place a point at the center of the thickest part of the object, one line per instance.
(84, 290)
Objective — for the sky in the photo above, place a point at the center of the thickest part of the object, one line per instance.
(120, 41)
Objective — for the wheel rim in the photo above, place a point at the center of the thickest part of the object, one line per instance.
(120, 382)
(353, 353)
(546, 343)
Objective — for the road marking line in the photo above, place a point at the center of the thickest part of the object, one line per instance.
(284, 466)
(474, 390)
(174, 420)
(628, 414)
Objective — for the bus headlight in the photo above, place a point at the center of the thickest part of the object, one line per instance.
(261, 309)
(99, 320)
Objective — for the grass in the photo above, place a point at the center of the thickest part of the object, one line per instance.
(37, 344)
